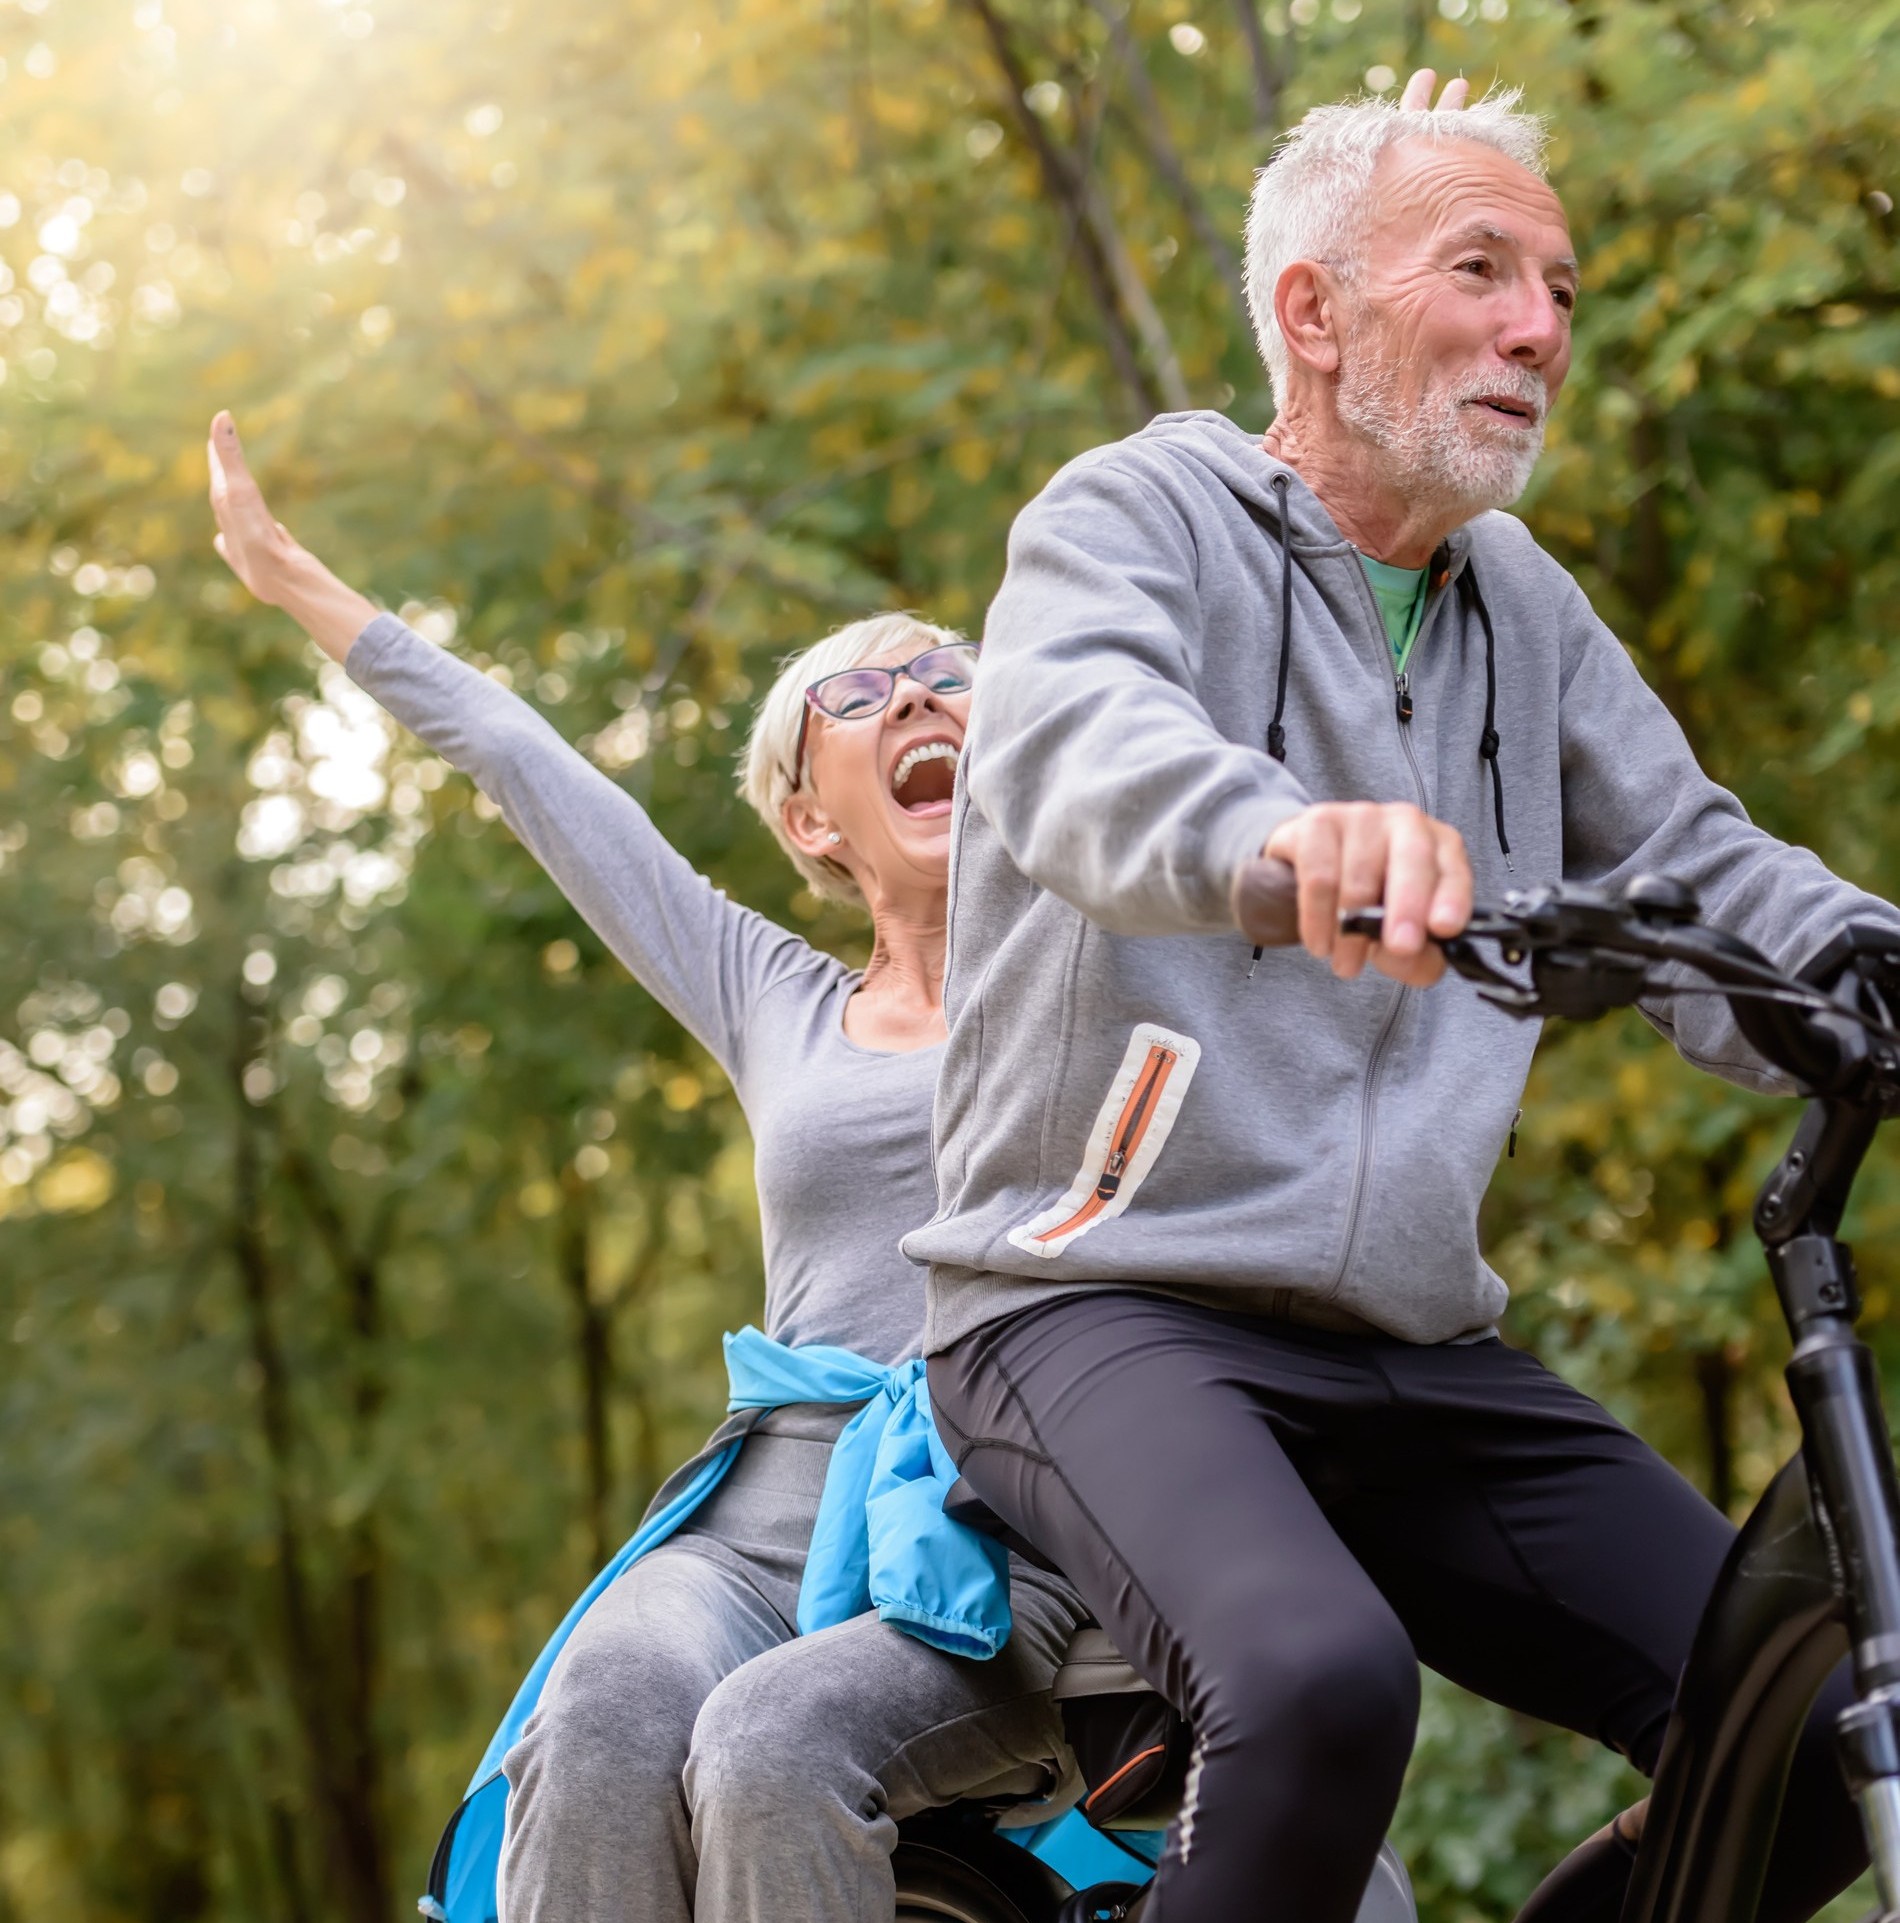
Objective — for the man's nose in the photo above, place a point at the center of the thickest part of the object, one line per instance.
(1536, 329)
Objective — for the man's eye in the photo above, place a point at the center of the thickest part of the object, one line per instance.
(1478, 266)
(1565, 299)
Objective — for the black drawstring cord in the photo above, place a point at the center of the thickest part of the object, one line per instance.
(1276, 728)
(1488, 741)
(1276, 732)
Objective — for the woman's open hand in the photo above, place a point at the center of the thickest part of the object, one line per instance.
(264, 555)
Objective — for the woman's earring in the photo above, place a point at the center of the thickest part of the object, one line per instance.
(834, 837)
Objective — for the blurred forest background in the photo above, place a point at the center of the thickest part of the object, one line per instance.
(365, 1236)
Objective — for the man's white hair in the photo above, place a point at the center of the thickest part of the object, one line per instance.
(766, 776)
(1311, 199)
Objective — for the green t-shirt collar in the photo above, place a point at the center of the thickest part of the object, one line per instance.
(1400, 593)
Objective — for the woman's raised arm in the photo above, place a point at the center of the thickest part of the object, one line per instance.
(703, 957)
(264, 555)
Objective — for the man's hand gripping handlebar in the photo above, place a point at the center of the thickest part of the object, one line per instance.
(1579, 952)
(1322, 865)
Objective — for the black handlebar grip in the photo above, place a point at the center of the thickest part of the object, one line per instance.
(1266, 901)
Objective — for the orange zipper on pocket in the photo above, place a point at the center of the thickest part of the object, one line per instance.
(1132, 1124)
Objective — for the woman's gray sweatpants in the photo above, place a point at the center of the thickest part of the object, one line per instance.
(694, 1757)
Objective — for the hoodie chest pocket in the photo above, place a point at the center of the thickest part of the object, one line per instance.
(1129, 1132)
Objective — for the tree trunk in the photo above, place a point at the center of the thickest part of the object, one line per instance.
(1151, 127)
(358, 1272)
(1068, 191)
(1268, 79)
(593, 1351)
(355, 1855)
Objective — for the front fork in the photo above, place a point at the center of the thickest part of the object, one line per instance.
(1813, 1575)
(1837, 1396)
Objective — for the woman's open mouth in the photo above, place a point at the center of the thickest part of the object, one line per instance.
(925, 777)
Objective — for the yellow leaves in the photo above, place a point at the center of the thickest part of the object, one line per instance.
(547, 412)
(1633, 1083)
(78, 1182)
(901, 113)
(1860, 707)
(1886, 382)
(682, 1092)
(911, 494)
(690, 237)
(1011, 232)
(970, 459)
(461, 303)
(538, 1199)
(1698, 1234)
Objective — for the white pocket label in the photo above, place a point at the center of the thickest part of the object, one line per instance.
(1131, 1128)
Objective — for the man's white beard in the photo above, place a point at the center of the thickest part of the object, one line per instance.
(1441, 454)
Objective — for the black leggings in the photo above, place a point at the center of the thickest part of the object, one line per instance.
(1277, 1525)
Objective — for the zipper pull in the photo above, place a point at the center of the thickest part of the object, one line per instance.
(1510, 1153)
(1403, 687)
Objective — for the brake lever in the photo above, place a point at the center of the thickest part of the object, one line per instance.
(1557, 986)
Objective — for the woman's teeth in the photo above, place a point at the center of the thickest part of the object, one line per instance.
(914, 758)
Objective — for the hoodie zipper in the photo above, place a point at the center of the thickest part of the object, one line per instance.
(1368, 1087)
(1131, 1126)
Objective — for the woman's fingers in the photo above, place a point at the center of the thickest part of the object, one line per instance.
(251, 542)
(1417, 97)
(231, 477)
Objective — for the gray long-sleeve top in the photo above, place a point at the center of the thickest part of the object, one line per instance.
(842, 1133)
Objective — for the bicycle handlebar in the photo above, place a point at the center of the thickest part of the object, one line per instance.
(1589, 950)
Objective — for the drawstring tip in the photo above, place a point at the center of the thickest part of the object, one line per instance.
(1255, 963)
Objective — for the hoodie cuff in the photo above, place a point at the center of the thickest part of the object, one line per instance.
(1238, 834)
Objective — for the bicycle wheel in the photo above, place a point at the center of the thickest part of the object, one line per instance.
(968, 1875)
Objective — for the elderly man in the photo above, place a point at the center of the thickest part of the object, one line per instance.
(1209, 1320)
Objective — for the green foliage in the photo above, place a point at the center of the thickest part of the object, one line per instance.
(364, 1234)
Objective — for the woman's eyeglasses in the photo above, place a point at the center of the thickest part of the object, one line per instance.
(857, 694)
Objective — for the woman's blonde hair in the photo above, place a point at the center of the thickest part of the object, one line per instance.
(767, 778)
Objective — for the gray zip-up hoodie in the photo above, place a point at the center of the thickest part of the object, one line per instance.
(1125, 1099)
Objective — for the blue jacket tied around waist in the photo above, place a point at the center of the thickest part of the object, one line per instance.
(881, 1541)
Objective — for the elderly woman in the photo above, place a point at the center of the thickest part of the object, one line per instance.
(689, 1753)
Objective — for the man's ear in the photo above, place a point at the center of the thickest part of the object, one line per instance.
(1306, 304)
(809, 827)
